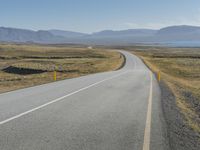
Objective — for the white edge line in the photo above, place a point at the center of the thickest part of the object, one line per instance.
(57, 100)
(147, 132)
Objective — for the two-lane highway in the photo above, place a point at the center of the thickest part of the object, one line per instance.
(118, 110)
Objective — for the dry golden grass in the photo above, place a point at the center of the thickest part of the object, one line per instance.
(180, 69)
(68, 61)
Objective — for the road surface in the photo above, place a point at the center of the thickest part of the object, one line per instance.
(118, 110)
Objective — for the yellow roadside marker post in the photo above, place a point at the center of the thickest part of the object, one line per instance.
(158, 76)
(54, 75)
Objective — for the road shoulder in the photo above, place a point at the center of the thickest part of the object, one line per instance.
(181, 137)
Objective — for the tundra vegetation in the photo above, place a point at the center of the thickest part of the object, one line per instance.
(29, 65)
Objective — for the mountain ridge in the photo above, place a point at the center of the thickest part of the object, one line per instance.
(130, 36)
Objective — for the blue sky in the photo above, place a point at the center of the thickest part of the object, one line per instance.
(94, 15)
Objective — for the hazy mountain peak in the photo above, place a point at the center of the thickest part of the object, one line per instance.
(128, 32)
(182, 29)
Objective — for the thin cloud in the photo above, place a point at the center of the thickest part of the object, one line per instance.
(193, 21)
(181, 21)
(146, 25)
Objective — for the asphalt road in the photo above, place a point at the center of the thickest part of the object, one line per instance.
(118, 110)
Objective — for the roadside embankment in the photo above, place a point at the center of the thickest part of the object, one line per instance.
(180, 90)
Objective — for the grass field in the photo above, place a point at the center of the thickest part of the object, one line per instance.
(180, 70)
(28, 65)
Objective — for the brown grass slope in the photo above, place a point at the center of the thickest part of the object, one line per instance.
(29, 65)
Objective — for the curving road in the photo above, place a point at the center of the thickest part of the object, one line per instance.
(118, 110)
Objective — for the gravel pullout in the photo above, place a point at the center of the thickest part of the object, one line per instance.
(181, 136)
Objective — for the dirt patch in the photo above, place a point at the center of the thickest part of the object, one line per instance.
(22, 71)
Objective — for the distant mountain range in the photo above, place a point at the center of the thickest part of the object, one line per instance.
(172, 34)
(67, 34)
(22, 35)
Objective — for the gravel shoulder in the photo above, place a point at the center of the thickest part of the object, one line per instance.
(181, 136)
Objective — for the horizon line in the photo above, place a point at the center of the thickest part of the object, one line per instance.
(36, 30)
